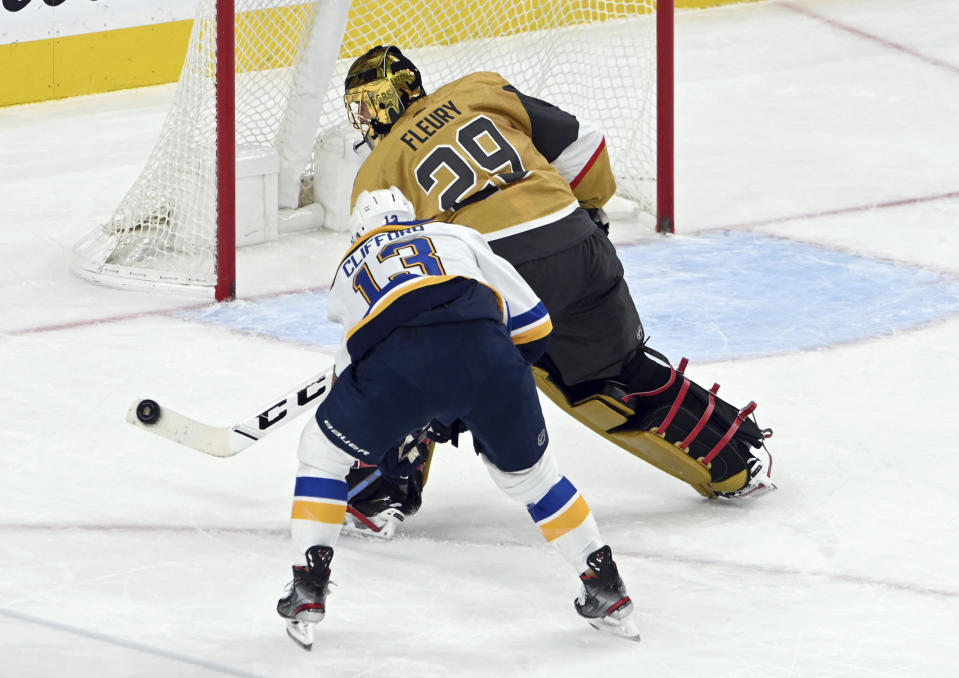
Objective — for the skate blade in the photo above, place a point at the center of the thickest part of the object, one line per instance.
(754, 491)
(300, 633)
(621, 628)
(763, 488)
(387, 527)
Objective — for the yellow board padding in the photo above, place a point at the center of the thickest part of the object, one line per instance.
(705, 4)
(94, 62)
(124, 58)
(407, 28)
(603, 414)
(26, 72)
(275, 48)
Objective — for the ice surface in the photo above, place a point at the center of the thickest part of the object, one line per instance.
(815, 272)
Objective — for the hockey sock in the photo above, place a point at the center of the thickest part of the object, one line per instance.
(564, 518)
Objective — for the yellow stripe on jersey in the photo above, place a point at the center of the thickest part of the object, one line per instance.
(319, 512)
(533, 333)
(567, 521)
(415, 283)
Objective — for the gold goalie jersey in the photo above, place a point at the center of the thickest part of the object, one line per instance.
(480, 153)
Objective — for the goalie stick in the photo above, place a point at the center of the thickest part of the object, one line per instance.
(226, 441)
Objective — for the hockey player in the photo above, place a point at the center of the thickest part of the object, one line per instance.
(532, 179)
(437, 327)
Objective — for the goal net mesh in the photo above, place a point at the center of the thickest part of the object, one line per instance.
(594, 58)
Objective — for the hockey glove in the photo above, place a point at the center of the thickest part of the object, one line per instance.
(406, 457)
(599, 218)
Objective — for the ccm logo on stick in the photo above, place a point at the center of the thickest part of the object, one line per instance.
(274, 414)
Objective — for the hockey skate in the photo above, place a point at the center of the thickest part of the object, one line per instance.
(603, 601)
(379, 525)
(304, 604)
(759, 482)
(378, 509)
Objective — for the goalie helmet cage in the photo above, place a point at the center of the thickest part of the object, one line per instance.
(262, 81)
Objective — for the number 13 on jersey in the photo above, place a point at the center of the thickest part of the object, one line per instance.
(395, 262)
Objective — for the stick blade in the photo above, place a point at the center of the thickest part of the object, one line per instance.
(148, 415)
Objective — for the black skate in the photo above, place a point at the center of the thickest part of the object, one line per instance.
(304, 604)
(382, 504)
(758, 465)
(603, 601)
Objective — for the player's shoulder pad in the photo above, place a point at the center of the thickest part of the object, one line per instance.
(461, 231)
(489, 78)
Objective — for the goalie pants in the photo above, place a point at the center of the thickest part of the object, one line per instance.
(596, 328)
(465, 370)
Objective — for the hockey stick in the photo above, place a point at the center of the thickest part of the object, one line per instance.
(363, 484)
(220, 441)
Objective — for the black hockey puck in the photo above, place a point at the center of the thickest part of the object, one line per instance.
(148, 411)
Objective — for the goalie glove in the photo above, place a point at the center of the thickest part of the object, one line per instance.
(441, 433)
(408, 456)
(599, 218)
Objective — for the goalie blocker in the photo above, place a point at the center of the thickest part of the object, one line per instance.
(678, 426)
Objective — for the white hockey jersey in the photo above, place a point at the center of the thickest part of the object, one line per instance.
(397, 271)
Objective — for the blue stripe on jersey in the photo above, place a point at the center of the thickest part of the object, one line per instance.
(320, 488)
(453, 300)
(531, 316)
(557, 497)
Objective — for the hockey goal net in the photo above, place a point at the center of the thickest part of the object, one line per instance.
(595, 58)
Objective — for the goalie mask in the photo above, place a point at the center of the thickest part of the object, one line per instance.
(379, 86)
(378, 208)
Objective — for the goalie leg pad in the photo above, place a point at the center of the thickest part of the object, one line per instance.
(678, 427)
(605, 413)
(699, 422)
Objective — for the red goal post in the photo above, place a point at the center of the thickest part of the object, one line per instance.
(261, 89)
